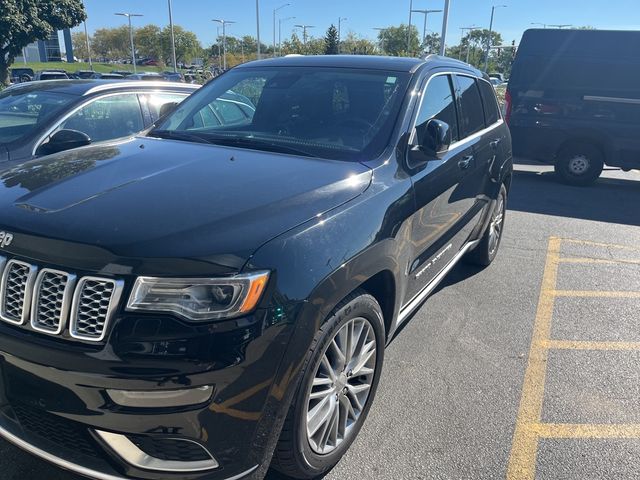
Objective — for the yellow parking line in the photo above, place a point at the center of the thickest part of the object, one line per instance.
(600, 244)
(586, 345)
(599, 261)
(595, 293)
(522, 461)
(578, 430)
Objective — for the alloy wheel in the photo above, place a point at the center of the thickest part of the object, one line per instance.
(495, 227)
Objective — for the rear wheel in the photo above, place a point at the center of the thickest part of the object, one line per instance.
(486, 251)
(337, 388)
(579, 164)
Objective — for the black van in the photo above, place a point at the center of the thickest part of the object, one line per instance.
(574, 101)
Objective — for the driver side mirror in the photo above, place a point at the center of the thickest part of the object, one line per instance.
(64, 140)
(434, 138)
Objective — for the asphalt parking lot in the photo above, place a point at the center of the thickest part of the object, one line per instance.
(527, 369)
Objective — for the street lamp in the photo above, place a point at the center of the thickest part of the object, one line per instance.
(258, 27)
(426, 14)
(280, 33)
(544, 25)
(486, 59)
(133, 51)
(173, 39)
(275, 11)
(340, 20)
(224, 39)
(471, 29)
(445, 26)
(304, 32)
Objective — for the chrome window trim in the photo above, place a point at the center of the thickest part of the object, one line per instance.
(118, 286)
(598, 98)
(134, 84)
(66, 301)
(80, 106)
(26, 304)
(466, 139)
(130, 453)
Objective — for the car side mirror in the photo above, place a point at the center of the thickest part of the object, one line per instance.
(434, 137)
(166, 109)
(64, 140)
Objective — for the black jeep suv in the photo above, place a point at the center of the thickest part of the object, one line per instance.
(214, 297)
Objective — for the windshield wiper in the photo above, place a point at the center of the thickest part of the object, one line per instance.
(172, 135)
(257, 144)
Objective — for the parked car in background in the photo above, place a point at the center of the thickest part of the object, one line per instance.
(85, 74)
(40, 118)
(573, 101)
(230, 279)
(50, 75)
(124, 73)
(173, 76)
(147, 76)
(107, 76)
(21, 74)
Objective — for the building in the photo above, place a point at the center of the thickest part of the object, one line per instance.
(48, 50)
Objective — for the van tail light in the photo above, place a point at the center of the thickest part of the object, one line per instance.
(508, 105)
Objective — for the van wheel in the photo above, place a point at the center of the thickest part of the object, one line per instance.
(579, 164)
(486, 251)
(339, 381)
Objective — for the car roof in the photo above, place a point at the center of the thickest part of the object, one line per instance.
(368, 62)
(90, 86)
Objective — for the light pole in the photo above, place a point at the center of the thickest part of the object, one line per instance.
(340, 20)
(304, 33)
(133, 51)
(173, 39)
(224, 39)
(471, 29)
(381, 30)
(258, 26)
(275, 11)
(409, 28)
(561, 26)
(486, 59)
(424, 29)
(86, 38)
(280, 33)
(445, 25)
(544, 25)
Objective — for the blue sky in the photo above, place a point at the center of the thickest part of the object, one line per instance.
(364, 15)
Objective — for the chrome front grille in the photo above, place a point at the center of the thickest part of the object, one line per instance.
(15, 291)
(52, 299)
(93, 303)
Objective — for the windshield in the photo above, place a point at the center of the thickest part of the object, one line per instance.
(22, 113)
(330, 113)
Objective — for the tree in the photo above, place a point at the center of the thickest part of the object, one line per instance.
(356, 45)
(293, 45)
(431, 43)
(148, 42)
(187, 45)
(25, 21)
(79, 42)
(394, 40)
(331, 41)
(112, 43)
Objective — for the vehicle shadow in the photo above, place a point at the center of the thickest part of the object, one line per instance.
(611, 200)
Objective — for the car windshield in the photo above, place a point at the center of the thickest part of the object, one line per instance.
(21, 113)
(321, 112)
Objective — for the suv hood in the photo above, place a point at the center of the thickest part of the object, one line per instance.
(158, 206)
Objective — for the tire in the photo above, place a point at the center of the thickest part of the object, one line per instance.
(300, 452)
(486, 251)
(579, 164)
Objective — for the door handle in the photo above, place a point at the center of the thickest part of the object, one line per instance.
(465, 162)
(496, 143)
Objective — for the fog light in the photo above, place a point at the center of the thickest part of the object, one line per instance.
(161, 398)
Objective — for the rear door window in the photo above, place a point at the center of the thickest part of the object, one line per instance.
(472, 113)
(489, 101)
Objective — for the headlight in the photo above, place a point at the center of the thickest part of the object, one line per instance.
(199, 298)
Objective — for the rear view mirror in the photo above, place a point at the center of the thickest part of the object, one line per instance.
(64, 140)
(434, 137)
(166, 109)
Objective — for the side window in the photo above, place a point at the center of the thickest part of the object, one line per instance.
(107, 118)
(155, 101)
(438, 103)
(230, 112)
(472, 113)
(491, 113)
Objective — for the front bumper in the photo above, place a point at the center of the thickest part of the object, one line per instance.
(54, 401)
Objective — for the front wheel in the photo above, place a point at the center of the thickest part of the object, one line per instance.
(336, 391)
(486, 251)
(579, 164)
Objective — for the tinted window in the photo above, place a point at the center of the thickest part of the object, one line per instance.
(108, 118)
(438, 103)
(472, 115)
(155, 101)
(322, 112)
(489, 101)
